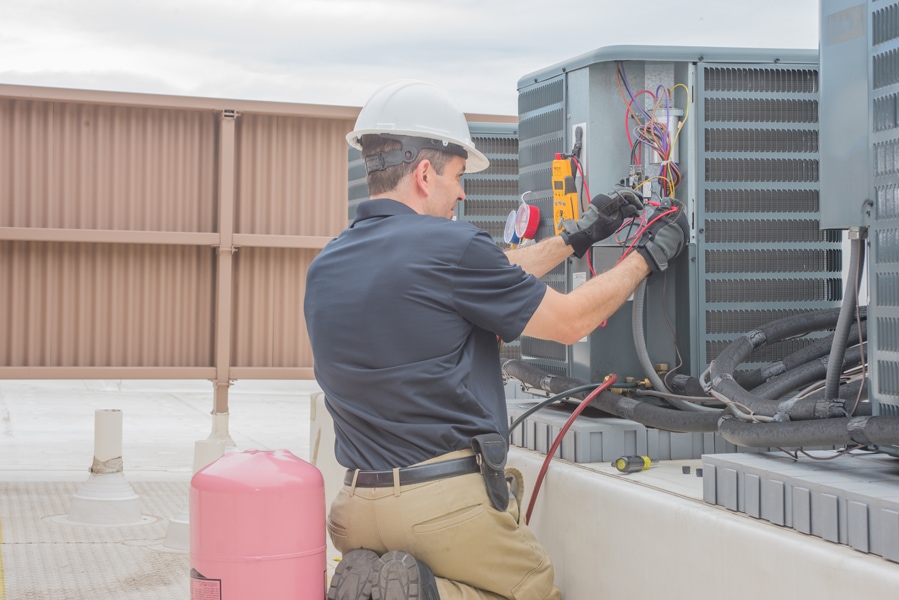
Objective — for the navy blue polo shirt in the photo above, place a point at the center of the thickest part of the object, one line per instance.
(403, 312)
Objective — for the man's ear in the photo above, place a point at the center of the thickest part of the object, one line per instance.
(422, 175)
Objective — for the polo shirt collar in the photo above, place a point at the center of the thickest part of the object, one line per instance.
(381, 207)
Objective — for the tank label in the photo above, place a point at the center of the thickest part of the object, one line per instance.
(202, 588)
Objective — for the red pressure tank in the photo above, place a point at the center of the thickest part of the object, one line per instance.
(257, 528)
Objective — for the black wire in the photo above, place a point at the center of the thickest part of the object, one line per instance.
(548, 401)
(795, 455)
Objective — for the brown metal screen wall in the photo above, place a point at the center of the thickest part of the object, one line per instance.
(150, 236)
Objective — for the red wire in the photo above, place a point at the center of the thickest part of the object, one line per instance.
(580, 171)
(643, 228)
(549, 455)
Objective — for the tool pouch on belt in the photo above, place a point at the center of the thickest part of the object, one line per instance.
(490, 449)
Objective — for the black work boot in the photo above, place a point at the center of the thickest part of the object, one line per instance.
(352, 578)
(399, 576)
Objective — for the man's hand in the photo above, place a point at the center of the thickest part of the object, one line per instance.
(601, 219)
(665, 239)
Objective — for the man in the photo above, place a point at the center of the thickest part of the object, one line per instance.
(403, 311)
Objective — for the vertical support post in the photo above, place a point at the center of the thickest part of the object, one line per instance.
(223, 308)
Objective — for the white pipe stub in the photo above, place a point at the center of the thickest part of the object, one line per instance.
(220, 430)
(106, 498)
(177, 534)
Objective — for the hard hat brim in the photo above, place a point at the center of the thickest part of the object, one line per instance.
(476, 162)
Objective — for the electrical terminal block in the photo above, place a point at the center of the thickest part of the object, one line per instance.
(635, 177)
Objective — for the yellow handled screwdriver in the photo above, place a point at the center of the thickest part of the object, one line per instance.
(632, 464)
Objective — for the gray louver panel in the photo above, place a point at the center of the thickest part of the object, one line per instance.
(767, 354)
(760, 140)
(773, 261)
(761, 253)
(491, 194)
(357, 187)
(752, 79)
(755, 201)
(741, 321)
(884, 231)
(541, 121)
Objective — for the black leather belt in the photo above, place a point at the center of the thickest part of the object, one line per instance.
(416, 474)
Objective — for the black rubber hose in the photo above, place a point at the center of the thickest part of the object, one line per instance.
(847, 315)
(822, 432)
(849, 394)
(686, 385)
(645, 413)
(816, 349)
(735, 353)
(552, 399)
(805, 374)
(536, 377)
(658, 417)
(722, 368)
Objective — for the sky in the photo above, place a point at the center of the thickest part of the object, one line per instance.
(340, 51)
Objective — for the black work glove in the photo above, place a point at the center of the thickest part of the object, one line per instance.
(601, 219)
(665, 239)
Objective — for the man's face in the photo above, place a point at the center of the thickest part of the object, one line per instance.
(446, 189)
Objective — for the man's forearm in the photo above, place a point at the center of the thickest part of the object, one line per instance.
(566, 318)
(540, 258)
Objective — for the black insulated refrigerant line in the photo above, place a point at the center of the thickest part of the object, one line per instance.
(645, 413)
(722, 368)
(846, 431)
(814, 350)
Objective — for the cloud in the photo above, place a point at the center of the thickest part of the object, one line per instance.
(339, 51)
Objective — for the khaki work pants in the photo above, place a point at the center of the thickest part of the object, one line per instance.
(475, 551)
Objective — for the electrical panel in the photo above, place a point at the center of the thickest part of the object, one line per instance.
(844, 113)
(860, 98)
(741, 154)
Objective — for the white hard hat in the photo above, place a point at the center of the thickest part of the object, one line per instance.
(416, 109)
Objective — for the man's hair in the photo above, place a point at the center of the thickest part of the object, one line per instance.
(386, 180)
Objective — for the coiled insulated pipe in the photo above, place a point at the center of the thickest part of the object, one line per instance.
(721, 371)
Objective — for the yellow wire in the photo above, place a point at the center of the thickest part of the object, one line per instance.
(686, 111)
(655, 109)
(641, 127)
(662, 180)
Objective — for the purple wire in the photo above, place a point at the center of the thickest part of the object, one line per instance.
(627, 86)
(662, 132)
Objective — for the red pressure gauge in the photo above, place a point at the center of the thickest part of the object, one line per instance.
(527, 219)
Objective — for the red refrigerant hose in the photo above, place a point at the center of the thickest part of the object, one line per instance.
(549, 455)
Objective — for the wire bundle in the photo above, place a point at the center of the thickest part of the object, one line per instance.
(651, 130)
